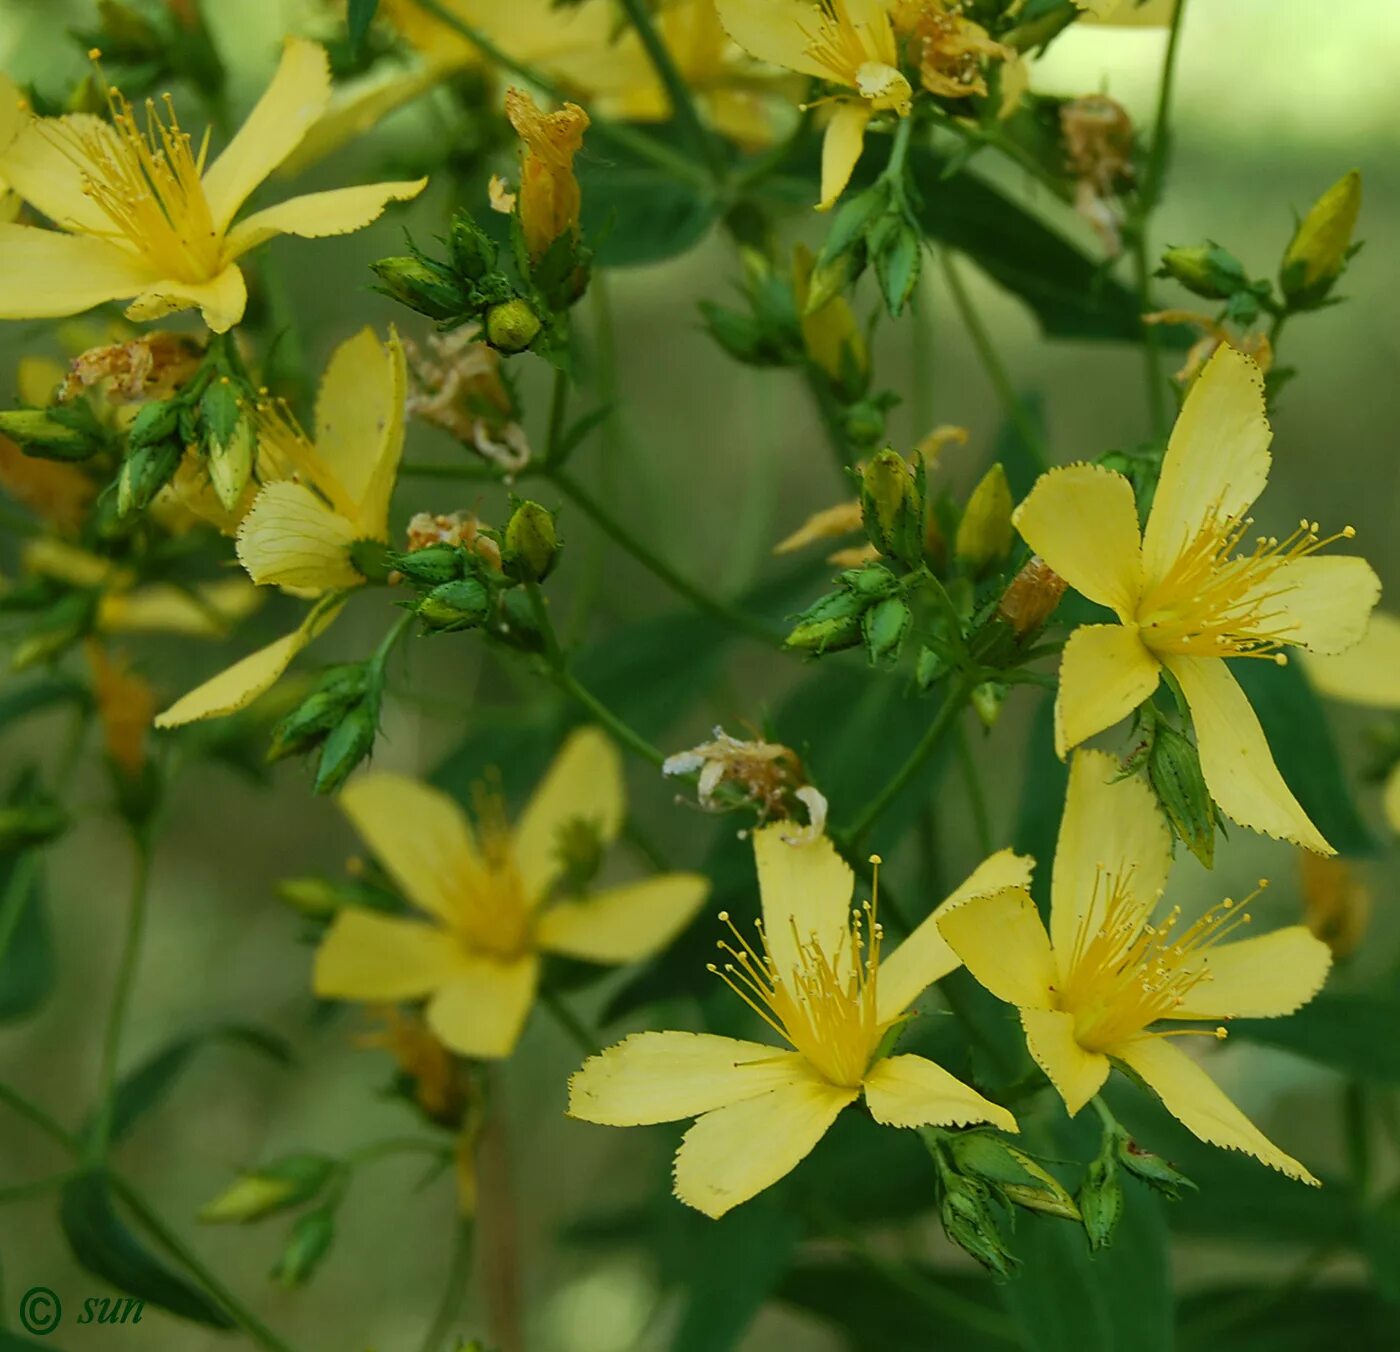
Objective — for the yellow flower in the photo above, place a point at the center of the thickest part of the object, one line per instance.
(817, 979)
(492, 899)
(1367, 674)
(849, 43)
(549, 196)
(139, 214)
(1336, 903)
(1090, 990)
(1184, 599)
(1128, 13)
(328, 494)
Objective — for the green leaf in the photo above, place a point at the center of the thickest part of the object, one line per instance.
(359, 14)
(635, 213)
(1042, 799)
(1270, 1319)
(101, 1243)
(1353, 1033)
(12, 1342)
(36, 695)
(142, 1089)
(1380, 1232)
(1296, 727)
(27, 968)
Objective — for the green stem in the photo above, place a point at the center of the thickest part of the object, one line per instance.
(418, 469)
(121, 1001)
(569, 1022)
(682, 102)
(630, 738)
(22, 1192)
(943, 720)
(829, 410)
(459, 1275)
(397, 1145)
(606, 522)
(972, 782)
(18, 894)
(992, 363)
(1105, 1116)
(1148, 197)
(558, 411)
(37, 1117)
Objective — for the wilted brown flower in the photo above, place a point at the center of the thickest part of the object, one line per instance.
(1098, 137)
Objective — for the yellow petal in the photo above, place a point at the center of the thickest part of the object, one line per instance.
(220, 301)
(625, 923)
(841, 148)
(1262, 978)
(238, 686)
(910, 1091)
(68, 563)
(1108, 830)
(481, 1012)
(776, 31)
(417, 833)
(806, 895)
(584, 783)
(40, 166)
(1129, 13)
(1325, 601)
(1367, 674)
(1236, 761)
(1391, 799)
(1217, 459)
(734, 1152)
(1105, 673)
(1082, 520)
(37, 379)
(1077, 1074)
(162, 608)
(45, 274)
(367, 956)
(1196, 1101)
(338, 211)
(661, 1077)
(290, 537)
(1003, 943)
(828, 524)
(924, 957)
(296, 97)
(360, 424)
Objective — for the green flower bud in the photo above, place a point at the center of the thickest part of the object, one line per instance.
(422, 285)
(372, 559)
(512, 326)
(931, 667)
(1151, 1169)
(346, 745)
(231, 463)
(144, 472)
(1101, 1201)
(431, 566)
(987, 700)
(892, 506)
(532, 544)
(871, 580)
(312, 720)
(864, 423)
(1174, 770)
(284, 1183)
(884, 627)
(46, 437)
(1318, 252)
(156, 422)
(473, 252)
(451, 606)
(308, 1244)
(984, 534)
(320, 898)
(828, 625)
(1205, 269)
(965, 1209)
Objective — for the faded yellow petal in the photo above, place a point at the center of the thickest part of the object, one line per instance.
(1109, 830)
(368, 956)
(337, 211)
(1196, 1101)
(1003, 943)
(583, 783)
(419, 834)
(1260, 978)
(1217, 459)
(1324, 601)
(68, 563)
(163, 608)
(828, 524)
(239, 685)
(296, 97)
(662, 1077)
(924, 957)
(841, 148)
(220, 301)
(1082, 520)
(911, 1091)
(806, 894)
(1077, 1074)
(1105, 673)
(45, 274)
(623, 924)
(1236, 761)
(734, 1152)
(776, 31)
(1129, 13)
(291, 538)
(1368, 673)
(482, 1012)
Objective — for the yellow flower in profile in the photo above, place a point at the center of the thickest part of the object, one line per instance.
(140, 214)
(1185, 600)
(549, 196)
(1091, 990)
(848, 43)
(494, 900)
(817, 978)
(1367, 674)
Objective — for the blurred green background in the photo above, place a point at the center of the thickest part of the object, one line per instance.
(713, 462)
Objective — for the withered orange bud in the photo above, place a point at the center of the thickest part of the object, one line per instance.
(1031, 597)
(549, 195)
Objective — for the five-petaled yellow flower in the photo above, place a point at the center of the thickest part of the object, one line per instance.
(816, 978)
(1185, 600)
(319, 499)
(140, 214)
(496, 900)
(848, 43)
(1090, 990)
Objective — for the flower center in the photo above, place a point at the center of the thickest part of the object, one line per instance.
(824, 1007)
(1124, 972)
(492, 916)
(286, 452)
(846, 49)
(1210, 604)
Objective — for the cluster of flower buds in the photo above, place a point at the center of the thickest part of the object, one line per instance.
(1173, 767)
(1100, 1198)
(338, 721)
